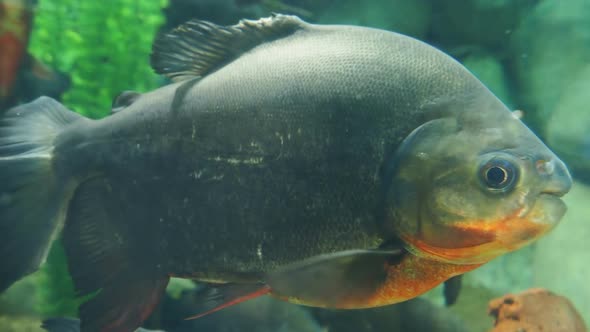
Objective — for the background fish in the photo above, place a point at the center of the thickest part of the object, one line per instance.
(332, 166)
(22, 77)
(15, 25)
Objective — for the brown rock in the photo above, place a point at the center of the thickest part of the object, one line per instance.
(535, 310)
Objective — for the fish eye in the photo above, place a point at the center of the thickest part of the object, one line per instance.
(499, 175)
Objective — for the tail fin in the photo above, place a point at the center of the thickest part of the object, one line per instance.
(32, 197)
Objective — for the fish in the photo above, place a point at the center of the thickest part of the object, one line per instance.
(330, 166)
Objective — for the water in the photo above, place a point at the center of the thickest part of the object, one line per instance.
(534, 55)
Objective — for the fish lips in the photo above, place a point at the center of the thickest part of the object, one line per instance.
(503, 236)
(549, 209)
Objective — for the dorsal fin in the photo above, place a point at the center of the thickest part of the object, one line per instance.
(198, 48)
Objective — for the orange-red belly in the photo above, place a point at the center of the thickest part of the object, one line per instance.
(406, 280)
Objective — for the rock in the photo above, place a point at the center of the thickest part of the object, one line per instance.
(535, 310)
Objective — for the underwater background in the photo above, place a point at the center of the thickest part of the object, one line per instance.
(533, 54)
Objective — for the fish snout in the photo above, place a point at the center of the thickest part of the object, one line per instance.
(559, 181)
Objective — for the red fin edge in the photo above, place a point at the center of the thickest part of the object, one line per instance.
(259, 292)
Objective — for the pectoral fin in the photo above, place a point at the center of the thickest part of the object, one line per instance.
(333, 279)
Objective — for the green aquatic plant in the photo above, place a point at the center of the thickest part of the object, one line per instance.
(103, 47)
(55, 290)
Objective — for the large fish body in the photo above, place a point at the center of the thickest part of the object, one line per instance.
(285, 155)
(275, 157)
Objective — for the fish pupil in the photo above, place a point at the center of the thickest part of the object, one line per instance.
(496, 176)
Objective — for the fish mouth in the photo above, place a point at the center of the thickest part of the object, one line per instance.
(549, 208)
(509, 234)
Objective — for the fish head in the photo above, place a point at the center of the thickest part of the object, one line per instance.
(469, 185)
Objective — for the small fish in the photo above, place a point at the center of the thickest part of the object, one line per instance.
(330, 166)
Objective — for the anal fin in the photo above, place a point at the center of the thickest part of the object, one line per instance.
(106, 255)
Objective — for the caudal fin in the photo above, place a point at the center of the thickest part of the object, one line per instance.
(32, 196)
